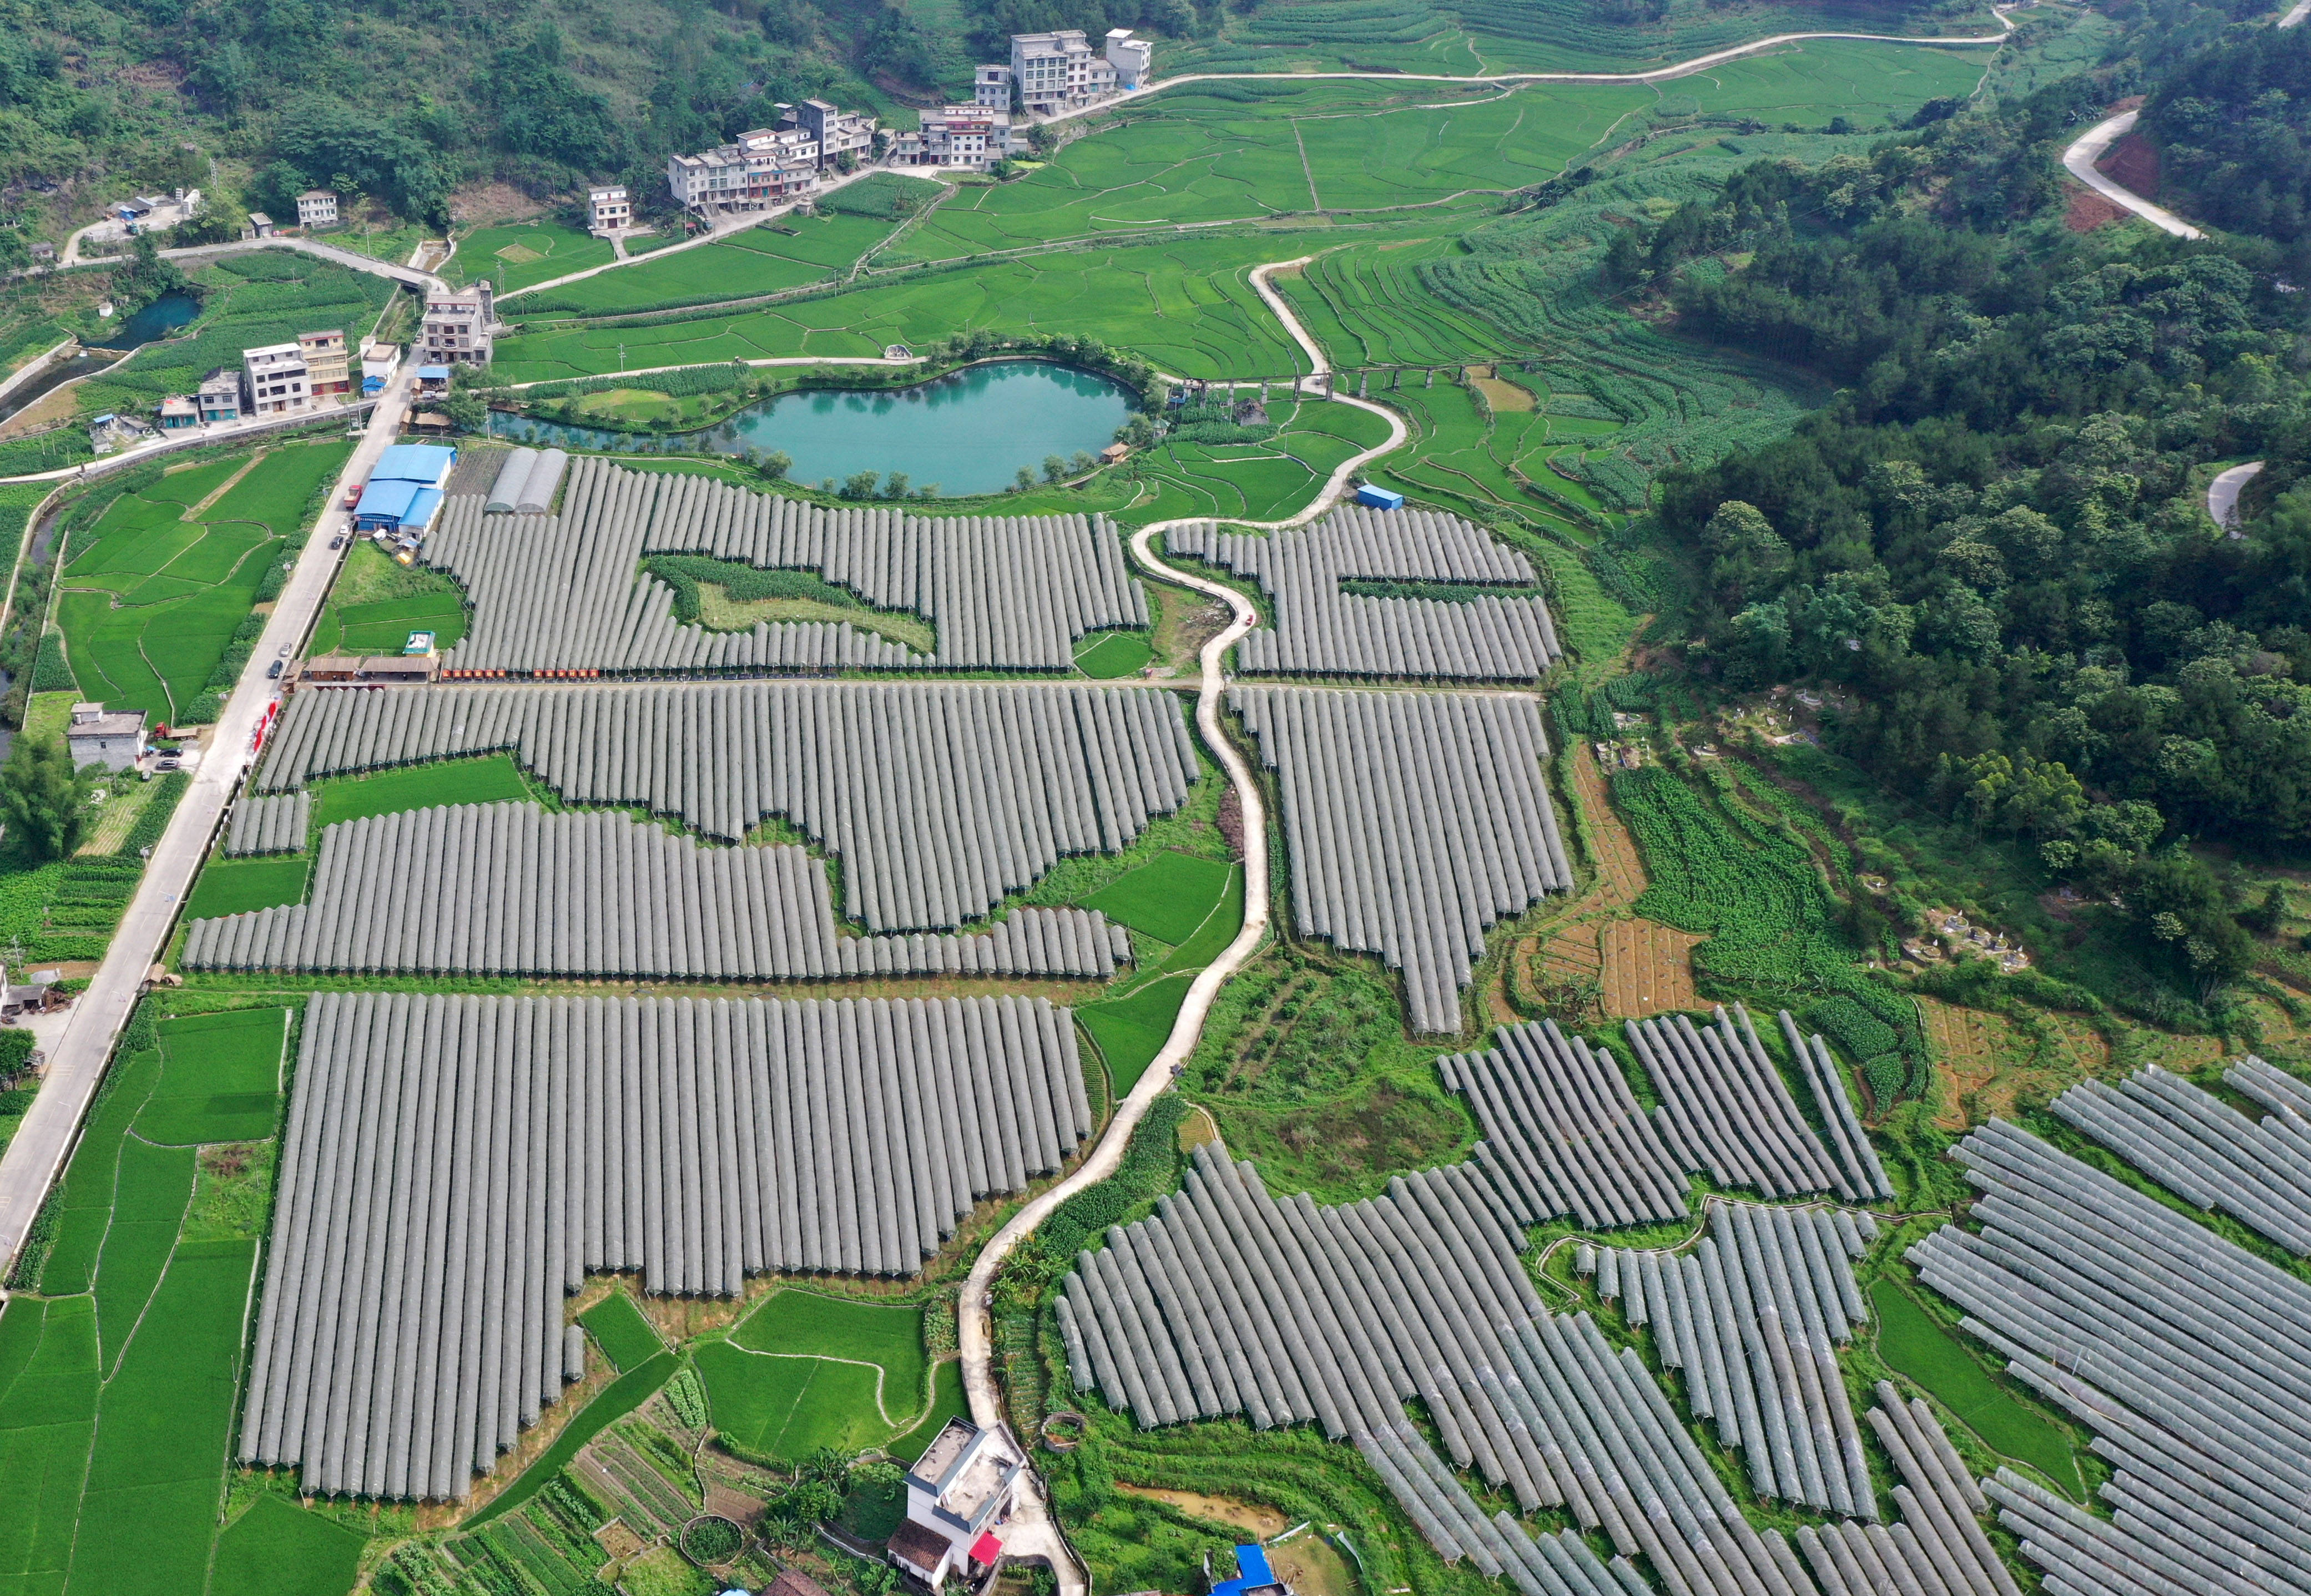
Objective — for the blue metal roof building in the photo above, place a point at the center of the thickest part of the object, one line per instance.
(1379, 498)
(1252, 1575)
(425, 464)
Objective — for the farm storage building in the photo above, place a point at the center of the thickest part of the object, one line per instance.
(1414, 822)
(508, 889)
(939, 799)
(404, 1340)
(1316, 628)
(557, 593)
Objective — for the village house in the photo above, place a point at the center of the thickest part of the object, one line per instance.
(260, 226)
(114, 740)
(1051, 72)
(759, 169)
(220, 396)
(965, 136)
(836, 132)
(609, 209)
(177, 412)
(316, 207)
(959, 1493)
(379, 362)
(326, 363)
(460, 326)
(111, 432)
(274, 380)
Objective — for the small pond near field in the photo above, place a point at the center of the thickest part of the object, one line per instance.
(970, 432)
(157, 320)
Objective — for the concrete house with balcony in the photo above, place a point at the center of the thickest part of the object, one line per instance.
(274, 380)
(316, 207)
(460, 328)
(959, 1495)
(837, 132)
(974, 136)
(1049, 72)
(610, 209)
(759, 169)
(327, 363)
(220, 396)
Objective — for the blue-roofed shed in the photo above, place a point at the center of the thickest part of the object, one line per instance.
(425, 464)
(1253, 1574)
(1379, 498)
(386, 504)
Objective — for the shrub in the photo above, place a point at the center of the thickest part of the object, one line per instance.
(712, 1541)
(51, 673)
(687, 1397)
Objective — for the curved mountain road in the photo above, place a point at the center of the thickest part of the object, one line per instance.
(2223, 493)
(2080, 159)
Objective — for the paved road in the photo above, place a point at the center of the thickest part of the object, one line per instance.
(2080, 159)
(37, 1155)
(2223, 493)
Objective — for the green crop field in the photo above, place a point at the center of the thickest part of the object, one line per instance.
(488, 780)
(625, 1337)
(521, 253)
(1254, 482)
(947, 1401)
(1167, 898)
(1913, 1343)
(117, 1397)
(888, 1336)
(1131, 1030)
(376, 603)
(621, 1397)
(760, 260)
(278, 1549)
(788, 1407)
(237, 885)
(1107, 655)
(150, 605)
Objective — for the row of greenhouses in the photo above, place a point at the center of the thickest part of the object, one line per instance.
(1414, 822)
(511, 889)
(1754, 1315)
(2184, 1353)
(454, 1166)
(269, 825)
(1228, 1300)
(937, 800)
(1726, 1110)
(2201, 1148)
(554, 594)
(1318, 627)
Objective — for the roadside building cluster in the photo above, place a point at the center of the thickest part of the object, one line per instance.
(767, 166)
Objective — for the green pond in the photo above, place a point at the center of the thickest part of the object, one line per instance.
(971, 432)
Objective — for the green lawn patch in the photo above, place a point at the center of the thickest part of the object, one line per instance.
(490, 781)
(278, 1549)
(621, 1397)
(947, 1401)
(237, 885)
(1212, 938)
(788, 1408)
(48, 1420)
(1167, 898)
(154, 1189)
(625, 1336)
(1131, 1030)
(221, 1078)
(887, 1334)
(1115, 654)
(1914, 1344)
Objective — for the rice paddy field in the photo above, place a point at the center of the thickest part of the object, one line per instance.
(520, 254)
(1260, 481)
(149, 601)
(787, 253)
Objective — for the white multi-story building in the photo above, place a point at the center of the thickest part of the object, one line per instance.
(967, 135)
(836, 132)
(316, 207)
(759, 168)
(274, 380)
(960, 1494)
(1060, 72)
(460, 328)
(611, 208)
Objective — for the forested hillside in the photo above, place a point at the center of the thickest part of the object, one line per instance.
(1996, 536)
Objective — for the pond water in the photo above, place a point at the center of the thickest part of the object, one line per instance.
(157, 319)
(969, 432)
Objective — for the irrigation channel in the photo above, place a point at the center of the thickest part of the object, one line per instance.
(970, 432)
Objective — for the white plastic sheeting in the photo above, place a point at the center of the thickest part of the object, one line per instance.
(1415, 821)
(454, 1166)
(508, 889)
(562, 593)
(1319, 629)
(939, 799)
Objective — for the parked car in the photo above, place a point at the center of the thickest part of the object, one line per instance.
(337, 541)
(274, 668)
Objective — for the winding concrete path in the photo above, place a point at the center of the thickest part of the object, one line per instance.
(2080, 159)
(2223, 493)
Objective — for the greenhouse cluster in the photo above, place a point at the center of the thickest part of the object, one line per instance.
(509, 889)
(269, 825)
(1228, 1300)
(937, 800)
(2183, 1353)
(1936, 1549)
(527, 481)
(453, 1167)
(560, 594)
(2203, 1149)
(1753, 1315)
(1726, 1112)
(1414, 822)
(1317, 628)
(1560, 1134)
